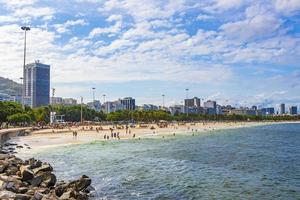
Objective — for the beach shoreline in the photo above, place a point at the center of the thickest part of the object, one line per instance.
(50, 138)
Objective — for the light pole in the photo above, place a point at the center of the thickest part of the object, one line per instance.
(163, 98)
(52, 116)
(25, 29)
(53, 93)
(81, 119)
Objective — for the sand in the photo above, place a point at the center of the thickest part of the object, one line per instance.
(50, 138)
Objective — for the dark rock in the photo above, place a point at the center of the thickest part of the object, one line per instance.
(5, 156)
(20, 146)
(3, 165)
(82, 183)
(89, 190)
(26, 173)
(11, 186)
(49, 179)
(50, 196)
(23, 197)
(38, 196)
(30, 192)
(33, 163)
(11, 170)
(7, 195)
(59, 190)
(23, 190)
(45, 168)
(36, 181)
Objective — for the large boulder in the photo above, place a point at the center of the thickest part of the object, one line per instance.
(50, 196)
(4, 194)
(34, 163)
(5, 156)
(81, 184)
(36, 181)
(11, 186)
(26, 173)
(23, 197)
(45, 168)
(38, 196)
(3, 165)
(49, 179)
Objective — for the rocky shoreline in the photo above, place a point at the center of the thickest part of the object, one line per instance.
(33, 179)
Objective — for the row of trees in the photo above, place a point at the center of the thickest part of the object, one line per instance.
(14, 114)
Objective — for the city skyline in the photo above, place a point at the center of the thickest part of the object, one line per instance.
(122, 49)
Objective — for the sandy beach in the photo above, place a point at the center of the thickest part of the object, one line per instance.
(58, 137)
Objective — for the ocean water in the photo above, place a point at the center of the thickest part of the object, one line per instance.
(246, 163)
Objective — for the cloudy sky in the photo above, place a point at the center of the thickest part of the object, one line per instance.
(233, 51)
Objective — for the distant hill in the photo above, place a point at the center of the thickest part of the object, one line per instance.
(10, 87)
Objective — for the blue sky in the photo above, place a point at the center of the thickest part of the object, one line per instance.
(241, 52)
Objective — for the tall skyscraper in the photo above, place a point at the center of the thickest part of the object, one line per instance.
(194, 102)
(282, 108)
(37, 84)
(129, 103)
(210, 104)
(293, 110)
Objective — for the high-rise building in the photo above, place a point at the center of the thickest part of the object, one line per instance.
(268, 111)
(112, 106)
(37, 84)
(95, 105)
(282, 108)
(293, 110)
(210, 107)
(194, 102)
(56, 100)
(210, 104)
(129, 103)
(69, 101)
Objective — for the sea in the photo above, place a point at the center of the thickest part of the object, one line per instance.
(261, 162)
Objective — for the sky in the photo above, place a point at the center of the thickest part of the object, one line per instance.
(239, 52)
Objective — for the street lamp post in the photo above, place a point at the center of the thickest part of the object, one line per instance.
(25, 29)
(52, 115)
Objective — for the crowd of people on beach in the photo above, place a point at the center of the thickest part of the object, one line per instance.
(126, 130)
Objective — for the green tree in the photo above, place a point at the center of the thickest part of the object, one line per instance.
(19, 118)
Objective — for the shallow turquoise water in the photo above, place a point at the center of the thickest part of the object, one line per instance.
(247, 163)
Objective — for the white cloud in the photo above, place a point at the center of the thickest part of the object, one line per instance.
(29, 13)
(142, 10)
(4, 18)
(287, 7)
(258, 26)
(204, 17)
(153, 41)
(17, 3)
(62, 28)
(116, 19)
(228, 4)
